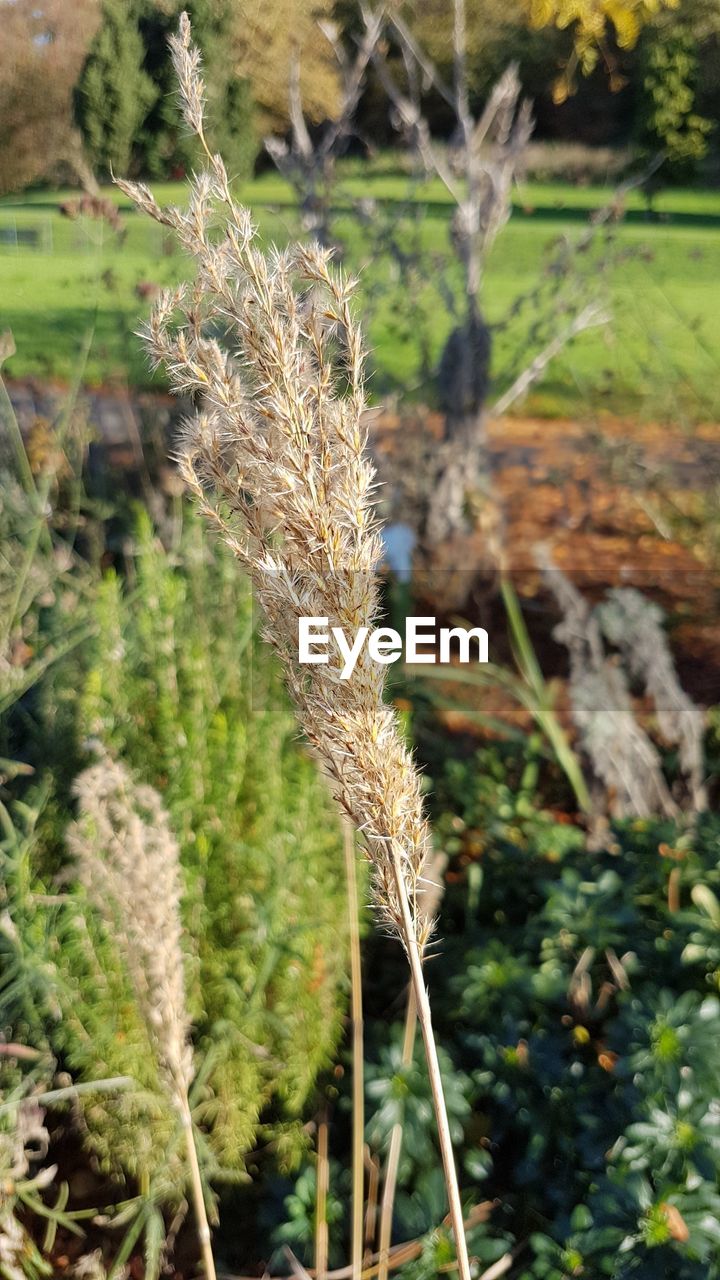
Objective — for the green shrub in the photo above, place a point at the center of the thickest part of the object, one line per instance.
(579, 992)
(577, 1000)
(181, 690)
(124, 99)
(114, 92)
(668, 120)
(162, 146)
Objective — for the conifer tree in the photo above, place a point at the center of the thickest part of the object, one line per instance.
(164, 147)
(114, 93)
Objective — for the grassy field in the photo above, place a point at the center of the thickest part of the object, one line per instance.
(658, 357)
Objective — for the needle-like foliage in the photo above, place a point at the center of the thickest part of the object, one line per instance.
(128, 860)
(182, 690)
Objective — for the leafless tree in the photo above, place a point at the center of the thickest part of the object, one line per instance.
(307, 162)
(478, 169)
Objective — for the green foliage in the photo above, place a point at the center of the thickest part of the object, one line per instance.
(114, 92)
(499, 808)
(28, 1001)
(659, 360)
(231, 111)
(182, 690)
(584, 1009)
(300, 1208)
(667, 118)
(125, 96)
(399, 1094)
(163, 146)
(42, 616)
(196, 709)
(62, 989)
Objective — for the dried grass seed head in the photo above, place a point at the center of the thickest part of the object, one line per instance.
(129, 863)
(275, 458)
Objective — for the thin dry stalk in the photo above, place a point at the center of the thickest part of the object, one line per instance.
(321, 1199)
(433, 889)
(402, 1254)
(673, 890)
(129, 862)
(358, 1081)
(393, 1159)
(275, 458)
(425, 1019)
(372, 1164)
(590, 317)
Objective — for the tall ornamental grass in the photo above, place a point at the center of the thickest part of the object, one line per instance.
(268, 346)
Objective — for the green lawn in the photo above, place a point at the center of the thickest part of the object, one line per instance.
(659, 356)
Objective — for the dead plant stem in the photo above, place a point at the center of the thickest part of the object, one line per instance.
(358, 1083)
(198, 1195)
(433, 1064)
(393, 1160)
(323, 1186)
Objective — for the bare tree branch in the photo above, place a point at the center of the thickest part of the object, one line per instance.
(590, 317)
(426, 65)
(413, 123)
(309, 165)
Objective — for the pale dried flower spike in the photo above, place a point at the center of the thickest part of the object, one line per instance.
(275, 458)
(129, 863)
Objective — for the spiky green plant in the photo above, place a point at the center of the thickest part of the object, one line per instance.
(183, 692)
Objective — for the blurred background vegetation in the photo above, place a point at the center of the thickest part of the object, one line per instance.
(573, 784)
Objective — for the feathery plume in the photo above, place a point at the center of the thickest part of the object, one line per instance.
(635, 625)
(620, 752)
(129, 863)
(275, 457)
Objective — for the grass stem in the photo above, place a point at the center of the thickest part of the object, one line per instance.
(393, 1160)
(425, 1019)
(197, 1192)
(358, 1082)
(323, 1186)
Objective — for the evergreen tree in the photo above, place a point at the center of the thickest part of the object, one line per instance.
(164, 147)
(114, 93)
(230, 99)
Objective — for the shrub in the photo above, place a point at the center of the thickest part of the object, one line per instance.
(114, 93)
(180, 689)
(668, 120)
(162, 147)
(579, 992)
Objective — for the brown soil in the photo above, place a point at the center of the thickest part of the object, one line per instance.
(617, 503)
